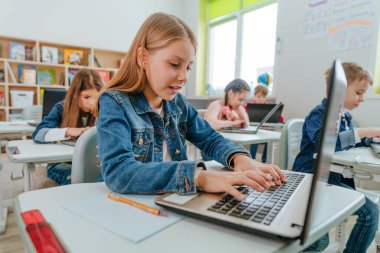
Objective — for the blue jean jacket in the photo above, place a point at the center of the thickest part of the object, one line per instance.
(130, 140)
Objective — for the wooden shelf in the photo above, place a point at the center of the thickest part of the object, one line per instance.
(108, 59)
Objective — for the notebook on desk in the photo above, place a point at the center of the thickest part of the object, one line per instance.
(257, 112)
(285, 211)
(252, 129)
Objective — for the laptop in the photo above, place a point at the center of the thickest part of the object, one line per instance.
(252, 129)
(51, 97)
(68, 142)
(376, 148)
(284, 211)
(257, 112)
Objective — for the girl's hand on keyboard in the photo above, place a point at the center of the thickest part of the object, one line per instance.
(243, 163)
(217, 182)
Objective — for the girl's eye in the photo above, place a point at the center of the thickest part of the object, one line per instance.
(174, 64)
(188, 68)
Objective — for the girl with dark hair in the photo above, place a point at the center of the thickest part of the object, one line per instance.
(229, 112)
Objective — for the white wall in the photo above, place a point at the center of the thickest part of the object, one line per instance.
(107, 24)
(300, 65)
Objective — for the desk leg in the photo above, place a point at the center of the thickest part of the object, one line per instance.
(3, 209)
(28, 168)
(270, 152)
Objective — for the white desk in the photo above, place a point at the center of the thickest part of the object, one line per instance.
(32, 154)
(188, 235)
(361, 163)
(18, 127)
(263, 136)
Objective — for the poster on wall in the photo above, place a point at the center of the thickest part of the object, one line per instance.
(351, 24)
(316, 20)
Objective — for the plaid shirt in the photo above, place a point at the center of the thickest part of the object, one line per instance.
(304, 161)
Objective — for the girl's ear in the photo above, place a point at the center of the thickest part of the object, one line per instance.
(230, 93)
(141, 57)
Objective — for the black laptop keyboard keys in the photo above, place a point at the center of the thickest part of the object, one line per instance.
(259, 207)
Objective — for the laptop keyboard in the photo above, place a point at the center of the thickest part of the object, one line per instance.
(259, 207)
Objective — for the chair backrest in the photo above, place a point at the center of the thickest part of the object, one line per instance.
(32, 113)
(290, 142)
(86, 165)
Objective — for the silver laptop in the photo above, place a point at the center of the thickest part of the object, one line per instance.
(285, 211)
(376, 148)
(252, 129)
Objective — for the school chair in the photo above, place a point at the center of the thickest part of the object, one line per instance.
(32, 113)
(86, 165)
(290, 142)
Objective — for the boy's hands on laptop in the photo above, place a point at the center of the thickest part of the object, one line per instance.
(246, 172)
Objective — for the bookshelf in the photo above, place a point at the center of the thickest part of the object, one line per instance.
(28, 67)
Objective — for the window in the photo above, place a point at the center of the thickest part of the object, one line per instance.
(243, 55)
(222, 54)
(258, 44)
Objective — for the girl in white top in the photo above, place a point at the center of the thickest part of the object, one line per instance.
(68, 119)
(229, 112)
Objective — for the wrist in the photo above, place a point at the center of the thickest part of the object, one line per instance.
(236, 157)
(198, 176)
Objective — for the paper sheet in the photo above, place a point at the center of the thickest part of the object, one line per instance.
(123, 219)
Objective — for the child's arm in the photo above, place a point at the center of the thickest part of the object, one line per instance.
(368, 132)
(212, 117)
(51, 121)
(243, 115)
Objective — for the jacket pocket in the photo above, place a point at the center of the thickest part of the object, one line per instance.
(141, 142)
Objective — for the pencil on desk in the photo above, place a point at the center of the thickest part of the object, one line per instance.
(119, 198)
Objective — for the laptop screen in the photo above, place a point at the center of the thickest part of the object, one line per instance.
(51, 97)
(257, 112)
(328, 136)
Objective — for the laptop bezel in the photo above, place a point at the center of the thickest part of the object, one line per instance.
(333, 94)
(254, 108)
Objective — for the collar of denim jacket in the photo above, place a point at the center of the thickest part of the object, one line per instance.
(141, 105)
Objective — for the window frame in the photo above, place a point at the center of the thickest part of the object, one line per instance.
(238, 16)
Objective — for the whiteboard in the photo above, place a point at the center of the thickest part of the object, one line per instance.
(301, 60)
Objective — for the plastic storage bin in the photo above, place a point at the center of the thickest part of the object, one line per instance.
(22, 98)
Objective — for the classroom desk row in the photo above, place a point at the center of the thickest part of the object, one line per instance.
(69, 226)
(78, 234)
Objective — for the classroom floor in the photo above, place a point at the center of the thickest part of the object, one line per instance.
(10, 241)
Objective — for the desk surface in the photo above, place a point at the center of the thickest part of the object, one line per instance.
(16, 129)
(359, 158)
(262, 136)
(196, 235)
(31, 152)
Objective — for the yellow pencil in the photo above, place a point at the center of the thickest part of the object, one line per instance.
(119, 198)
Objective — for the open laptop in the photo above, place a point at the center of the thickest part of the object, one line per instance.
(376, 148)
(257, 112)
(252, 129)
(51, 97)
(284, 211)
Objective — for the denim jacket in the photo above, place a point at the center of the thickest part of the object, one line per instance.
(130, 140)
(52, 120)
